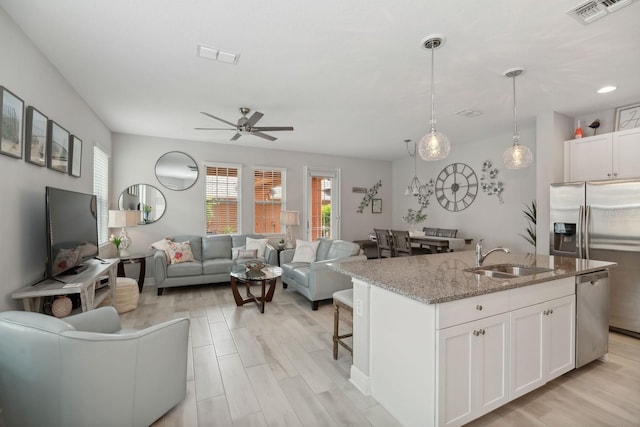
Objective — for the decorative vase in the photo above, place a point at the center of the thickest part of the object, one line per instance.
(62, 306)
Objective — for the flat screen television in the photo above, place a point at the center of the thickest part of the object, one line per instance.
(72, 230)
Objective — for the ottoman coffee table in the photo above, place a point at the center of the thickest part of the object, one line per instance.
(268, 275)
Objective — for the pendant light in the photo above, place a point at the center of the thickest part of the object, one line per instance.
(517, 156)
(415, 188)
(434, 145)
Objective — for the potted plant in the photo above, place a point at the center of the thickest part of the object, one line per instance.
(146, 210)
(281, 243)
(414, 217)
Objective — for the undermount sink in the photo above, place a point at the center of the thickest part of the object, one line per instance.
(507, 270)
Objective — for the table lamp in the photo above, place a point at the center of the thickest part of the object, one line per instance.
(124, 219)
(289, 219)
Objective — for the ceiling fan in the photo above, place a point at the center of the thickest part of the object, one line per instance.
(246, 125)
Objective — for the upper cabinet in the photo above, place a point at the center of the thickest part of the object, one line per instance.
(607, 156)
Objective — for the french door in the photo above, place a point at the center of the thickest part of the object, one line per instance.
(322, 202)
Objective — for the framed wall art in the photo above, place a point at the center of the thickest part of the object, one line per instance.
(75, 147)
(376, 205)
(11, 122)
(36, 137)
(57, 147)
(628, 117)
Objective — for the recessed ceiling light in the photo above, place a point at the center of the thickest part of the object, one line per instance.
(606, 89)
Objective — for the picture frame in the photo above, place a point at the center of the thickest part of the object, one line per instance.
(75, 154)
(57, 147)
(36, 137)
(627, 117)
(376, 205)
(11, 123)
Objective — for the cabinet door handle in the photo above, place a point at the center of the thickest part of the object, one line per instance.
(551, 311)
(546, 312)
(476, 333)
(479, 307)
(609, 175)
(482, 331)
(615, 174)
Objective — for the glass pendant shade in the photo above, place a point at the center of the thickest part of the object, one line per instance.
(517, 156)
(434, 146)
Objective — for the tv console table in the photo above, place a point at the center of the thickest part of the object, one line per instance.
(83, 283)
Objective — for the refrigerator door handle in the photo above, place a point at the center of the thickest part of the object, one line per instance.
(586, 231)
(580, 230)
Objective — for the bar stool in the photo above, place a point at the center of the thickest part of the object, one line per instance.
(342, 299)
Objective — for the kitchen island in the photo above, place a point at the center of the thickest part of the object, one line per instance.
(436, 344)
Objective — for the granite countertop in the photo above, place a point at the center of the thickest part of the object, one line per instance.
(439, 278)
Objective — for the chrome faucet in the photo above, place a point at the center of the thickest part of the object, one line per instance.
(480, 257)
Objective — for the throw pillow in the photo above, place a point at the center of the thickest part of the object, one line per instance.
(305, 251)
(179, 252)
(259, 244)
(162, 245)
(245, 254)
(236, 251)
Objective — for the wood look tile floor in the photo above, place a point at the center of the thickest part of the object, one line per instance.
(276, 369)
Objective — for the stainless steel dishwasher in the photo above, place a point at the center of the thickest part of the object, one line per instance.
(592, 316)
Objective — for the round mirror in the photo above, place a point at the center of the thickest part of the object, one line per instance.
(176, 170)
(144, 198)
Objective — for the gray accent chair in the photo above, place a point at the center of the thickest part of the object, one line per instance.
(212, 260)
(85, 370)
(315, 280)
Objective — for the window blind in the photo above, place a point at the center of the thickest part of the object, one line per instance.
(222, 198)
(268, 200)
(101, 190)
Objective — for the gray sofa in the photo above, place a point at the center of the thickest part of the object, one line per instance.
(315, 280)
(212, 260)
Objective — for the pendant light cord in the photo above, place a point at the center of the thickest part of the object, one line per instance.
(433, 119)
(516, 137)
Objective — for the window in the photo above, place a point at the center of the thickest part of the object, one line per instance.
(268, 200)
(101, 190)
(222, 199)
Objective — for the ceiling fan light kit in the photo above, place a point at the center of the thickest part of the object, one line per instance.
(246, 125)
(434, 145)
(517, 156)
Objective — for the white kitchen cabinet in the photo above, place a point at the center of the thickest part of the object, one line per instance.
(542, 344)
(607, 156)
(626, 152)
(472, 369)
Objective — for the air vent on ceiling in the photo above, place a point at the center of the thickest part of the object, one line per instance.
(592, 10)
(466, 112)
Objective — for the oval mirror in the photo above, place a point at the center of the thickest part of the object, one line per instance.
(176, 170)
(144, 198)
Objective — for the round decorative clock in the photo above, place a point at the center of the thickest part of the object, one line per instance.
(456, 187)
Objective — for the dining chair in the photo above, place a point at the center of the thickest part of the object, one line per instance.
(401, 243)
(384, 242)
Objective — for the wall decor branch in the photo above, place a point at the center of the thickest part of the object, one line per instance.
(369, 196)
(488, 181)
(423, 198)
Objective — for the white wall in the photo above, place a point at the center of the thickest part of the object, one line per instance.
(498, 224)
(134, 159)
(28, 74)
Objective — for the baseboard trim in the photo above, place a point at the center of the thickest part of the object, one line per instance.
(360, 380)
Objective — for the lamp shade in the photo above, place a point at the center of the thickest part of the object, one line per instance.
(290, 217)
(119, 219)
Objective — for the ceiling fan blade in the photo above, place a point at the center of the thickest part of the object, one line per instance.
(263, 135)
(253, 119)
(236, 136)
(218, 118)
(215, 128)
(271, 128)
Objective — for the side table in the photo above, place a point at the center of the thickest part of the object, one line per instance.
(134, 259)
(269, 276)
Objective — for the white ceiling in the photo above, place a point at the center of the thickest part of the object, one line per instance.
(350, 76)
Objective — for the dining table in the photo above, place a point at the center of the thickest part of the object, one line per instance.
(441, 244)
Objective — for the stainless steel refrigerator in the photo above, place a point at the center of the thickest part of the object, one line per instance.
(600, 220)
